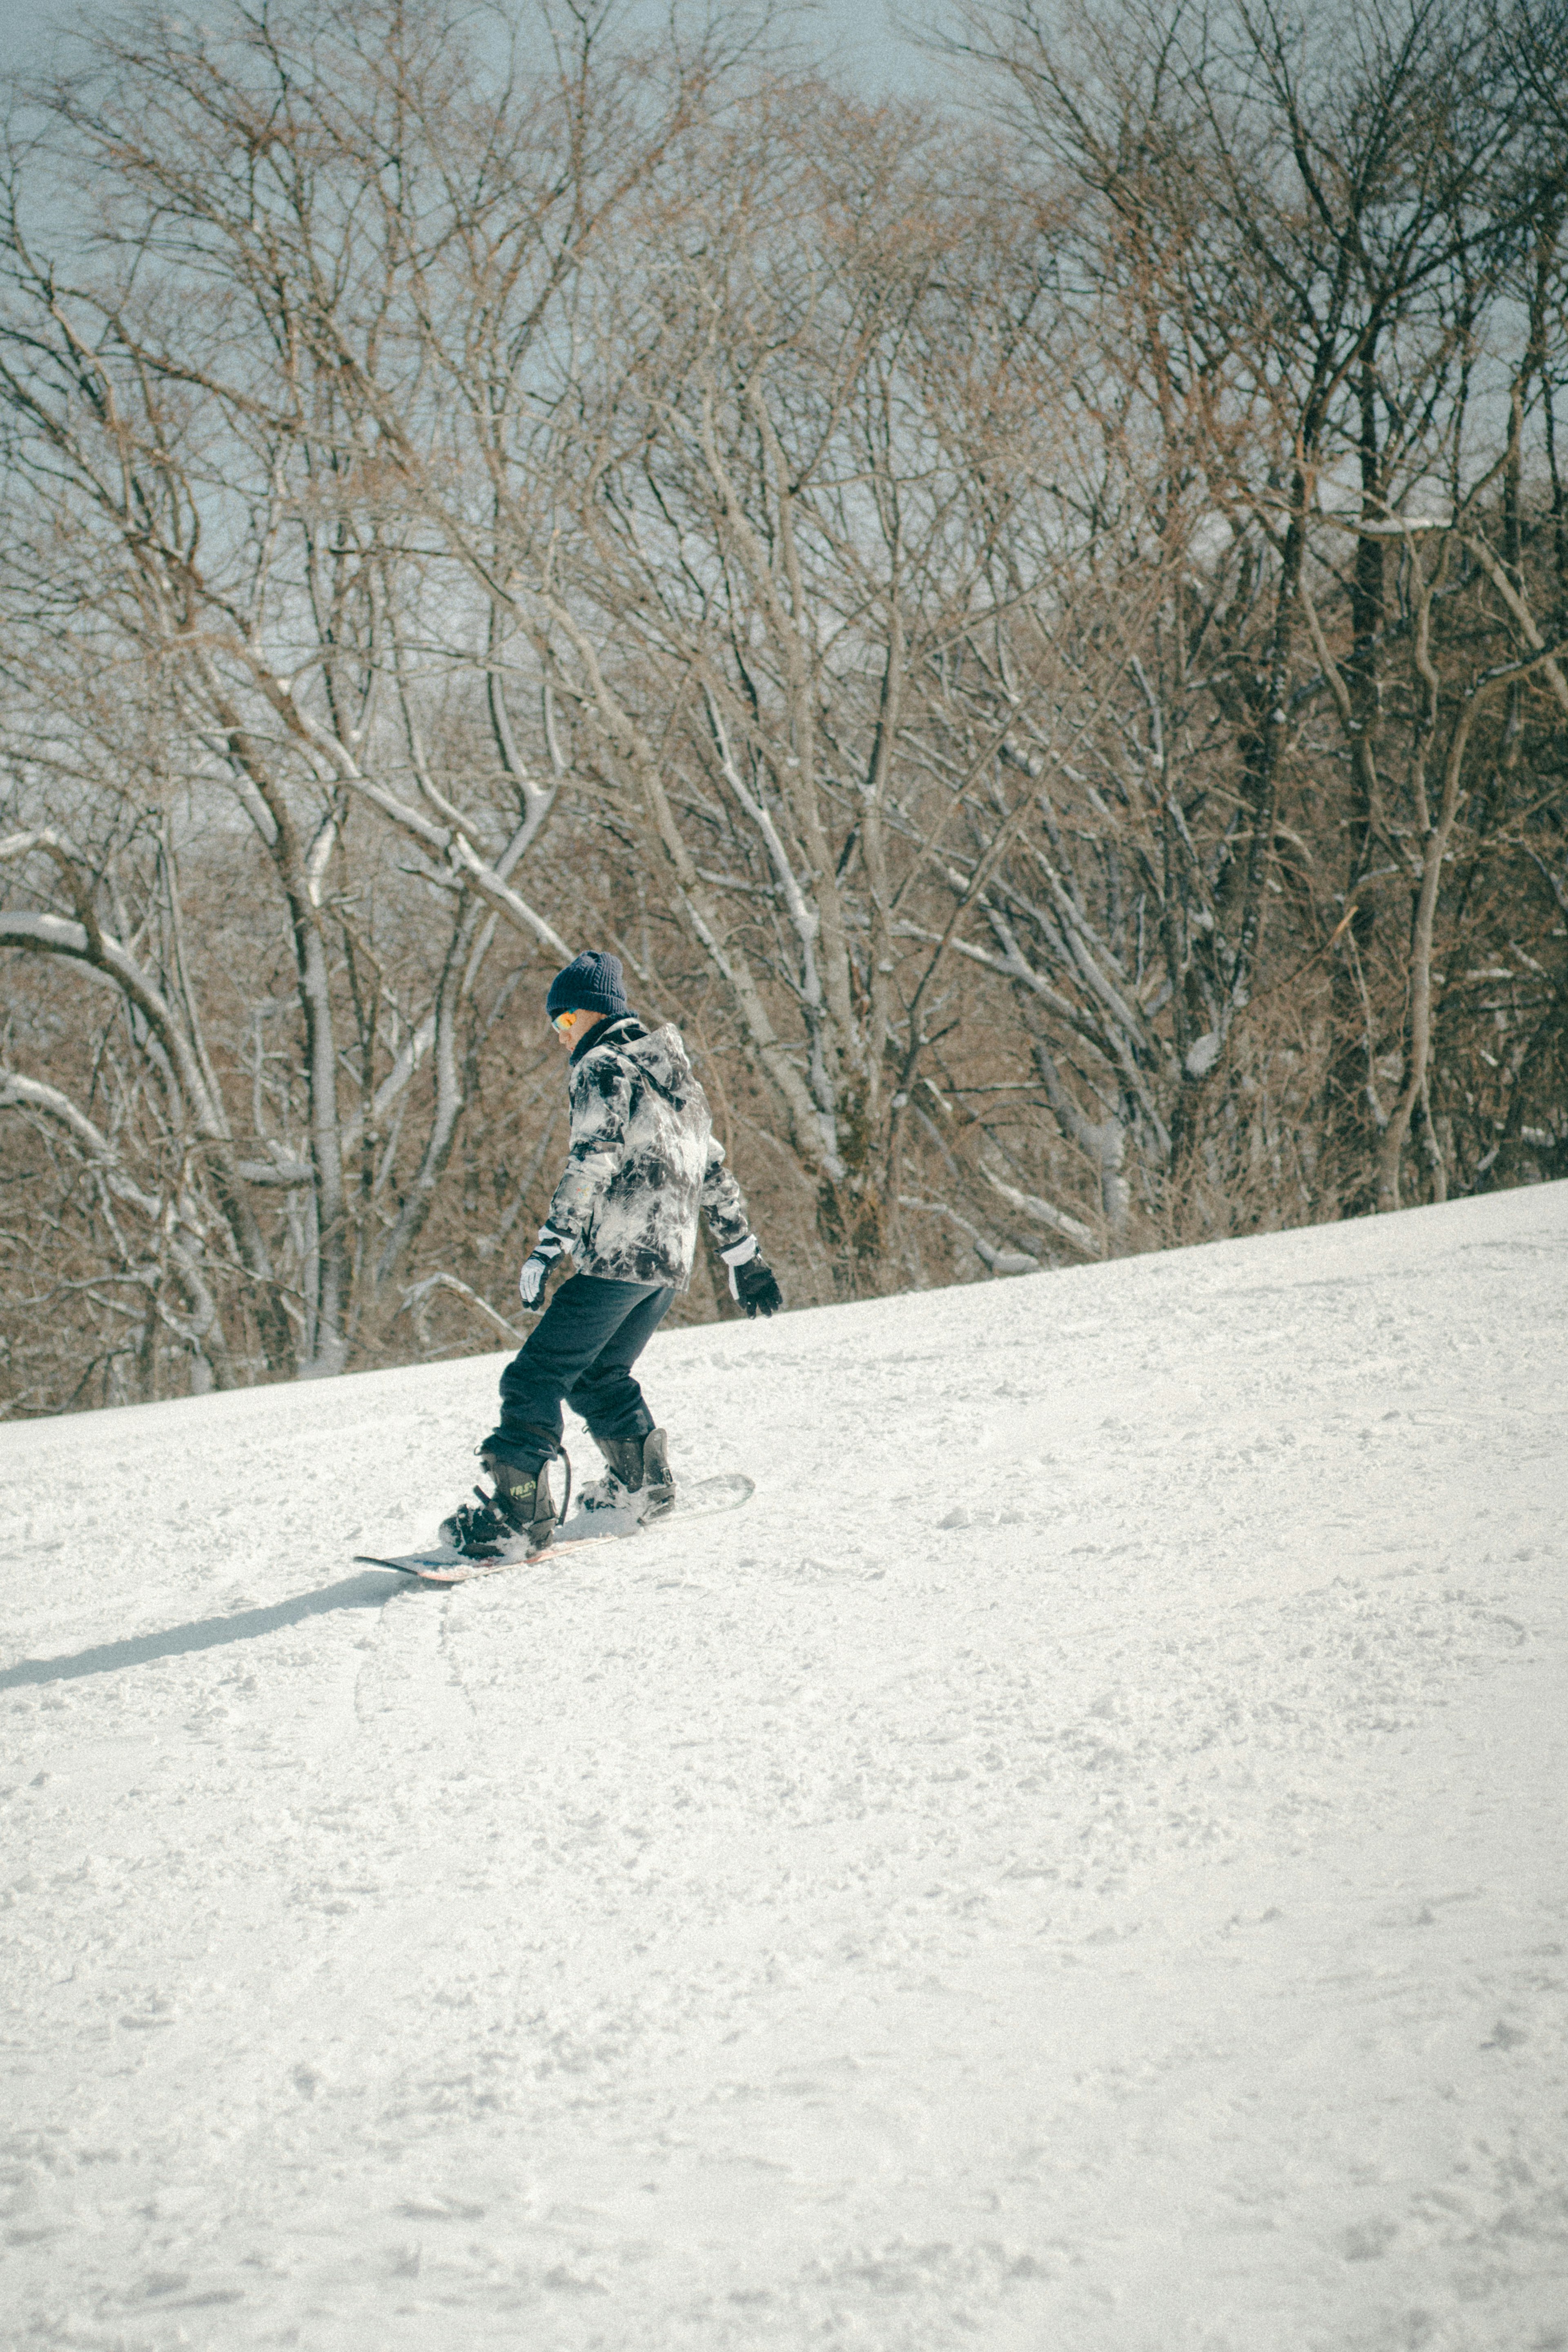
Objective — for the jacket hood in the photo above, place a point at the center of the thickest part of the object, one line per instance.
(666, 1044)
(662, 1055)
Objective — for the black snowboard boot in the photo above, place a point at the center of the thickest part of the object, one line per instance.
(658, 1478)
(520, 1506)
(637, 1475)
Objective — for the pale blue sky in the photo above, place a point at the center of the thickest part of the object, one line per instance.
(860, 33)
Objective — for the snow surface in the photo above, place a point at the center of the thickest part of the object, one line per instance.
(1077, 1864)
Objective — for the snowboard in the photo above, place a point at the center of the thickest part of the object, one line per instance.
(442, 1565)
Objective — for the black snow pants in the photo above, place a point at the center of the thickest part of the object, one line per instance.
(582, 1350)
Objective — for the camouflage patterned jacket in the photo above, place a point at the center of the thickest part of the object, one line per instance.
(642, 1162)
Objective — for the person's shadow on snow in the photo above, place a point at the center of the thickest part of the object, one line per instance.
(204, 1634)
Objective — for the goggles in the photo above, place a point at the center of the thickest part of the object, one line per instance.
(562, 1023)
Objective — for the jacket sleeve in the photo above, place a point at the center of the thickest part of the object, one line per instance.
(723, 1203)
(601, 1106)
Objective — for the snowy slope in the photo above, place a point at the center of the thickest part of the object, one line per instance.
(1077, 1863)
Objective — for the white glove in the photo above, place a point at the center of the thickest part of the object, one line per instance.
(537, 1263)
(741, 1255)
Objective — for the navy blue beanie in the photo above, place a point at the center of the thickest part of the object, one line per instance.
(592, 982)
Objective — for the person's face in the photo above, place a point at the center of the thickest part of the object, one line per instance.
(568, 1027)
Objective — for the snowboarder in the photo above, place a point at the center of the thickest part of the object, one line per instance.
(643, 1165)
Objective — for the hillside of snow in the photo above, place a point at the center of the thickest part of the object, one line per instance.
(1076, 1866)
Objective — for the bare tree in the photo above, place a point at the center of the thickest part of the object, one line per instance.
(225, 543)
(1043, 647)
(1290, 260)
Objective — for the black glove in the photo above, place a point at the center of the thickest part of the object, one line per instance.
(755, 1285)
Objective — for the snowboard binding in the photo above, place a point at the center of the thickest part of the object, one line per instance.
(520, 1506)
(637, 1477)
